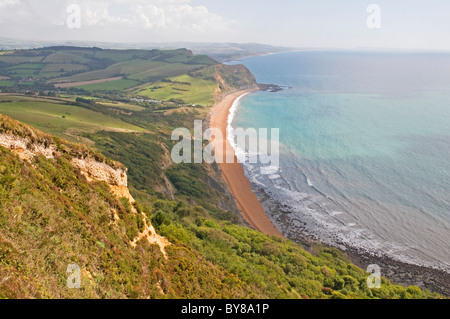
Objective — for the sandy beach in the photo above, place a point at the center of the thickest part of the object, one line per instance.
(255, 215)
(233, 173)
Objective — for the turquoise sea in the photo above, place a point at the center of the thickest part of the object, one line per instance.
(365, 149)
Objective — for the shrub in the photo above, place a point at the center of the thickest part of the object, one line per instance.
(414, 290)
(160, 218)
(339, 283)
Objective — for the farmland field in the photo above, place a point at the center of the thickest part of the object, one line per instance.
(130, 107)
(60, 119)
(6, 83)
(62, 57)
(164, 71)
(44, 69)
(65, 67)
(191, 90)
(70, 84)
(109, 85)
(12, 59)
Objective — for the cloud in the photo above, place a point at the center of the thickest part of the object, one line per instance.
(165, 16)
(168, 15)
(6, 3)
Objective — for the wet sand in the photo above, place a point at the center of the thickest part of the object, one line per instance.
(233, 173)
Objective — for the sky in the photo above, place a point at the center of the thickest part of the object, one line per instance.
(400, 24)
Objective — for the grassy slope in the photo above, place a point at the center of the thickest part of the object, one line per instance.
(190, 89)
(125, 106)
(277, 267)
(48, 115)
(111, 85)
(51, 217)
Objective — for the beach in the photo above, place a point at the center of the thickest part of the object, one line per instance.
(233, 173)
(255, 206)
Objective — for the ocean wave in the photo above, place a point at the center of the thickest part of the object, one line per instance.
(308, 211)
(316, 218)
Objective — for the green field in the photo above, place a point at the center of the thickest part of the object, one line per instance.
(28, 83)
(139, 70)
(6, 83)
(62, 120)
(27, 66)
(50, 75)
(72, 64)
(22, 73)
(125, 106)
(163, 71)
(191, 90)
(64, 67)
(109, 86)
(16, 59)
(63, 57)
(109, 72)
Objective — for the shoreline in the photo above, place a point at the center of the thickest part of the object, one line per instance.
(258, 210)
(233, 174)
(398, 272)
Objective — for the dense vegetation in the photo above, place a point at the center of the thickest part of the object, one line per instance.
(51, 217)
(60, 116)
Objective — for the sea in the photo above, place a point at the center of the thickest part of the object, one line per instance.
(364, 140)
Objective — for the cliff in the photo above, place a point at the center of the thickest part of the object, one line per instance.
(63, 204)
(232, 78)
(28, 143)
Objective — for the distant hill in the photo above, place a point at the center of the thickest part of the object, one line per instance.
(221, 52)
(224, 52)
(167, 75)
(75, 66)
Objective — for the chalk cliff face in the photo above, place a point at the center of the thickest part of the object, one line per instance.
(117, 180)
(28, 143)
(25, 148)
(232, 78)
(28, 147)
(94, 170)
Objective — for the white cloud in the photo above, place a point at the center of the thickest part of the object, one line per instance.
(119, 16)
(5, 3)
(169, 15)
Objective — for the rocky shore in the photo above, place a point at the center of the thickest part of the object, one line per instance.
(397, 272)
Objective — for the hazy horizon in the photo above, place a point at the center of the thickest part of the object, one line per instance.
(404, 25)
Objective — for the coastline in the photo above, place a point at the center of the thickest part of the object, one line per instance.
(239, 186)
(397, 272)
(259, 210)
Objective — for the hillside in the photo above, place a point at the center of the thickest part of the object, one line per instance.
(218, 51)
(175, 76)
(88, 69)
(230, 78)
(55, 212)
(63, 203)
(88, 180)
